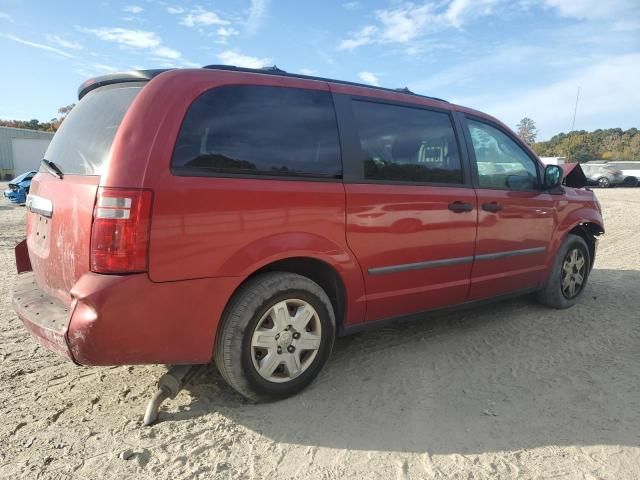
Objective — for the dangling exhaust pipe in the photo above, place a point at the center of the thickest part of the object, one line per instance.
(168, 387)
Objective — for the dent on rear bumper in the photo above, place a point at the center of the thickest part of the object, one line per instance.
(125, 320)
(128, 319)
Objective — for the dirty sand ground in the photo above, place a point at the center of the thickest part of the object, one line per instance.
(504, 391)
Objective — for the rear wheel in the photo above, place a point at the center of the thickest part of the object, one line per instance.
(603, 182)
(569, 274)
(630, 182)
(276, 335)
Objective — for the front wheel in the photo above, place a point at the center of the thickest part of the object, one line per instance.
(603, 182)
(569, 274)
(275, 336)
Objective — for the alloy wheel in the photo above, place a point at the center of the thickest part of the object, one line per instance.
(573, 273)
(286, 340)
(603, 182)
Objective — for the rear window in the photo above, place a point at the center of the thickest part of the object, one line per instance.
(259, 130)
(83, 143)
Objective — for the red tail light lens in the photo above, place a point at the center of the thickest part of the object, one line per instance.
(120, 230)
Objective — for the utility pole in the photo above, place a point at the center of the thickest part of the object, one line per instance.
(573, 124)
(575, 109)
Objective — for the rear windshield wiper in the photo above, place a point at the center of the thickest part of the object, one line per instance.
(52, 168)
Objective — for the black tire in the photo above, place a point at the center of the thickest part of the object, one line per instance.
(552, 294)
(603, 182)
(233, 351)
(630, 182)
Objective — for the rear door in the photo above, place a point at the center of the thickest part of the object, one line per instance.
(411, 212)
(515, 218)
(60, 210)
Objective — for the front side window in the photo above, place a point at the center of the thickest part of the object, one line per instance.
(406, 144)
(260, 130)
(501, 162)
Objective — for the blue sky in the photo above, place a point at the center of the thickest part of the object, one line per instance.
(510, 58)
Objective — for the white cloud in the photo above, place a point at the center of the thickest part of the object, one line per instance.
(102, 66)
(226, 31)
(166, 52)
(405, 23)
(41, 46)
(594, 9)
(459, 11)
(175, 10)
(138, 39)
(7, 17)
(257, 12)
(233, 57)
(606, 96)
(61, 42)
(351, 5)
(365, 36)
(308, 71)
(132, 9)
(370, 78)
(202, 17)
(123, 36)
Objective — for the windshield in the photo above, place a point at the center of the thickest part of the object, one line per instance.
(83, 143)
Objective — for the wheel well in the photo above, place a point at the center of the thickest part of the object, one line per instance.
(318, 271)
(588, 231)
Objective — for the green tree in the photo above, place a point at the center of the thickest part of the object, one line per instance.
(527, 130)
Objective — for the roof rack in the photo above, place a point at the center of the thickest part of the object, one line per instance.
(274, 70)
(146, 75)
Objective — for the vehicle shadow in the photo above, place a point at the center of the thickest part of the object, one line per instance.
(507, 376)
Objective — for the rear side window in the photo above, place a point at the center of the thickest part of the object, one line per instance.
(406, 144)
(259, 130)
(83, 143)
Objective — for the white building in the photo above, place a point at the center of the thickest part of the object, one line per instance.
(21, 150)
(553, 160)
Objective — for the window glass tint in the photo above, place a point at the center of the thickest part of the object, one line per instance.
(83, 143)
(501, 162)
(260, 130)
(406, 144)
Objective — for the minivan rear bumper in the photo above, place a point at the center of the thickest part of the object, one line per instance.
(44, 317)
(126, 319)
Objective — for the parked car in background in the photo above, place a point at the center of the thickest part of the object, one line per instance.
(19, 188)
(630, 172)
(602, 174)
(251, 216)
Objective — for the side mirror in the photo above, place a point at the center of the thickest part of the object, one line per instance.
(552, 177)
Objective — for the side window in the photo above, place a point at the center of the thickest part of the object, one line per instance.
(500, 161)
(406, 144)
(248, 129)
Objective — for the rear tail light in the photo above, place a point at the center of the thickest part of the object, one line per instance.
(120, 230)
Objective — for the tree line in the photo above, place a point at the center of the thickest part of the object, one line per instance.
(50, 126)
(583, 146)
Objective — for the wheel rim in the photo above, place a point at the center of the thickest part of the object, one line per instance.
(573, 273)
(603, 182)
(286, 340)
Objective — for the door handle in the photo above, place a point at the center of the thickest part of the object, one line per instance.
(491, 207)
(459, 207)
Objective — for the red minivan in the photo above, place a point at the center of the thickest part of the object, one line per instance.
(250, 216)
